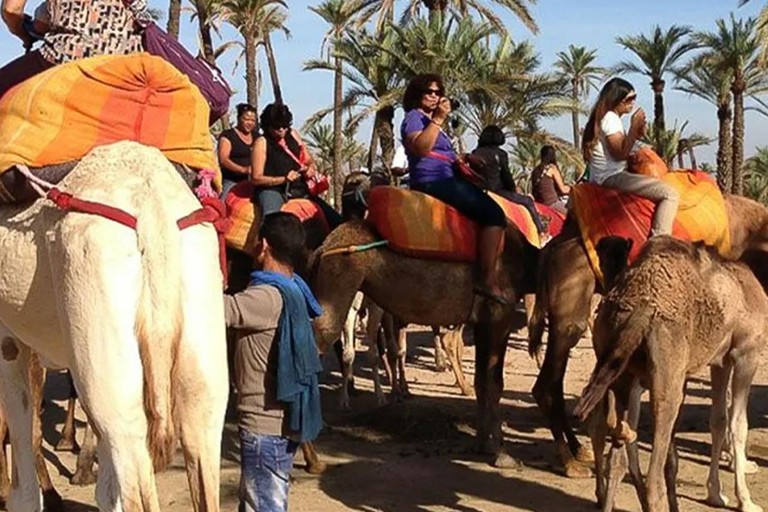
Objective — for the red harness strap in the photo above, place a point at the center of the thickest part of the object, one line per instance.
(213, 211)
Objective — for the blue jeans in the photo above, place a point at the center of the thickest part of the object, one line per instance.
(270, 200)
(265, 472)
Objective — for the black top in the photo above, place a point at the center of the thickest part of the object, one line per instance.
(279, 163)
(495, 170)
(240, 154)
(543, 186)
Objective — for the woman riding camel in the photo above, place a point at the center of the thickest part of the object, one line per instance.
(606, 148)
(81, 29)
(547, 183)
(236, 147)
(280, 164)
(431, 161)
(496, 173)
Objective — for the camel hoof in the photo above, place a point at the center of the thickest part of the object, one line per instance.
(441, 367)
(750, 506)
(52, 502)
(576, 470)
(66, 445)
(750, 468)
(717, 500)
(506, 461)
(83, 478)
(585, 455)
(469, 392)
(318, 468)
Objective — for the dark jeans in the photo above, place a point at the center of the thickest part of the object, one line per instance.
(467, 198)
(265, 472)
(271, 200)
(527, 202)
(16, 71)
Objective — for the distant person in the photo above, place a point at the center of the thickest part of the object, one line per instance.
(606, 148)
(431, 161)
(547, 183)
(495, 171)
(236, 147)
(76, 30)
(276, 366)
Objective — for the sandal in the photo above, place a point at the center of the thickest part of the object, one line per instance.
(487, 294)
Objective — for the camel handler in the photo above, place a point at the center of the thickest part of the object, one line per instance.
(73, 34)
(276, 366)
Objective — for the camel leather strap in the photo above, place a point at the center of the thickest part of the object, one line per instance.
(212, 210)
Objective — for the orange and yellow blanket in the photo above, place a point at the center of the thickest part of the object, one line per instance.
(63, 113)
(422, 226)
(602, 212)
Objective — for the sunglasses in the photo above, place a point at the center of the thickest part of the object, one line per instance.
(630, 98)
(436, 92)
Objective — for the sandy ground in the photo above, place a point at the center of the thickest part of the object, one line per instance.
(418, 456)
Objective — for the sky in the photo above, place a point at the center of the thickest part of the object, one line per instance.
(590, 23)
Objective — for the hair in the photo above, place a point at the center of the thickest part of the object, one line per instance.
(417, 87)
(548, 155)
(245, 108)
(286, 237)
(275, 115)
(491, 135)
(612, 93)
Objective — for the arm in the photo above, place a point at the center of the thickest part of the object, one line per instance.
(560, 185)
(620, 145)
(421, 143)
(255, 309)
(258, 161)
(507, 181)
(13, 16)
(310, 163)
(225, 149)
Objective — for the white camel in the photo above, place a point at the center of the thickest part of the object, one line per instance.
(136, 315)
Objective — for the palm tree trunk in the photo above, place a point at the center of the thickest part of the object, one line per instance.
(387, 137)
(724, 149)
(174, 18)
(203, 22)
(738, 142)
(374, 147)
(692, 157)
(338, 142)
(272, 63)
(575, 115)
(658, 111)
(251, 70)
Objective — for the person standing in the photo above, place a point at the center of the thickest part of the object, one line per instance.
(276, 366)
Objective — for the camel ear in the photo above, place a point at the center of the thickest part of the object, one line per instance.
(613, 252)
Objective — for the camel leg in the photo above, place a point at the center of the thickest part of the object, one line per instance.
(5, 481)
(68, 443)
(598, 430)
(744, 371)
(633, 455)
(51, 499)
(84, 474)
(402, 350)
(441, 364)
(717, 424)
(347, 362)
(454, 347)
(375, 315)
(314, 465)
(25, 494)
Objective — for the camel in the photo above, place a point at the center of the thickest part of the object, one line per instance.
(136, 315)
(566, 286)
(679, 308)
(427, 292)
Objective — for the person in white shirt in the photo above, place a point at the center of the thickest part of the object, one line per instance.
(606, 148)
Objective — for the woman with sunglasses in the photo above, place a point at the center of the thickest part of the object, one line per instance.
(280, 163)
(606, 148)
(431, 160)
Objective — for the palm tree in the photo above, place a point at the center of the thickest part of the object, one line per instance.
(658, 53)
(734, 49)
(459, 8)
(339, 15)
(578, 68)
(319, 139)
(762, 31)
(253, 19)
(700, 80)
(174, 18)
(756, 176)
(668, 143)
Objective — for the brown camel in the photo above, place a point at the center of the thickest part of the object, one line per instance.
(679, 308)
(566, 285)
(427, 292)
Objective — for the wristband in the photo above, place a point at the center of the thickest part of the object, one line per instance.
(439, 125)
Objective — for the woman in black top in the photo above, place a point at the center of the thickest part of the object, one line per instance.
(497, 176)
(280, 163)
(235, 148)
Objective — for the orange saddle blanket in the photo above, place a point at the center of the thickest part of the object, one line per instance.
(424, 227)
(60, 115)
(602, 212)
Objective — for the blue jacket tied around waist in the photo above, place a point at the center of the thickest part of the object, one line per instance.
(298, 362)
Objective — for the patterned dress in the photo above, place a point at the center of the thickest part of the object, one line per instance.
(87, 28)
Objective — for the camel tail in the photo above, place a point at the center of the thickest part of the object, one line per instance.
(158, 322)
(540, 308)
(614, 362)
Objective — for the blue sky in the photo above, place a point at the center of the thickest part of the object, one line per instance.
(591, 23)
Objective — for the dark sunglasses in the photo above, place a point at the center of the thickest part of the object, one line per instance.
(438, 92)
(631, 97)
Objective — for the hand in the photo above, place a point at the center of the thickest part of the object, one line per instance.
(310, 171)
(442, 110)
(638, 124)
(292, 176)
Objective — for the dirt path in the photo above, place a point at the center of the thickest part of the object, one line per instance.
(418, 456)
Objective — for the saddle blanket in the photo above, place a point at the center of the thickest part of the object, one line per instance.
(701, 216)
(60, 115)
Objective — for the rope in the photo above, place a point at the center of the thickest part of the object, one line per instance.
(38, 185)
(350, 249)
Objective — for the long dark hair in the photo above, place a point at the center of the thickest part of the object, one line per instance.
(612, 93)
(491, 135)
(417, 87)
(548, 156)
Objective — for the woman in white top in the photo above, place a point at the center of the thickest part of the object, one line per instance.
(606, 148)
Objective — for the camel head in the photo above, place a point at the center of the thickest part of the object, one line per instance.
(613, 252)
